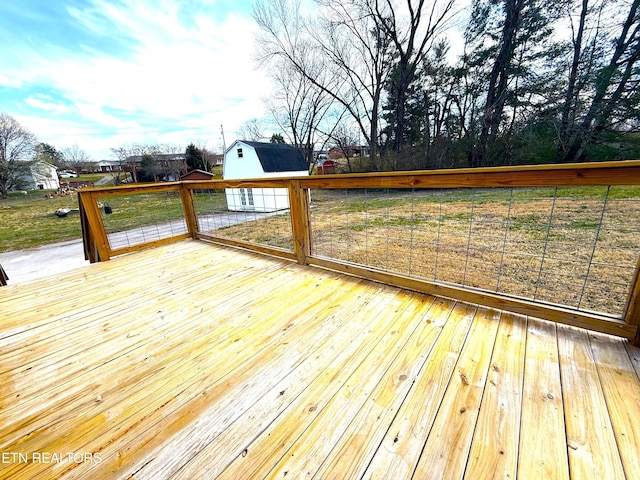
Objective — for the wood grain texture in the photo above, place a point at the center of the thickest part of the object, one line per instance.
(146, 245)
(632, 316)
(625, 172)
(194, 360)
(299, 201)
(189, 209)
(253, 247)
(593, 452)
(619, 376)
(494, 451)
(543, 443)
(95, 226)
(403, 444)
(446, 450)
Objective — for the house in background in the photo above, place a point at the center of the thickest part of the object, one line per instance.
(246, 159)
(167, 167)
(348, 151)
(216, 160)
(109, 166)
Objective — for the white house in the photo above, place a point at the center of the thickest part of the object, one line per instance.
(40, 175)
(260, 160)
(109, 166)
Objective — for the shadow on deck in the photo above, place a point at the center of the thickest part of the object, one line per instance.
(199, 361)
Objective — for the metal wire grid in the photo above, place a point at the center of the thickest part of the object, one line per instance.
(263, 218)
(577, 247)
(139, 218)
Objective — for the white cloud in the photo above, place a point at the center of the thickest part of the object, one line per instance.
(187, 77)
(12, 82)
(45, 102)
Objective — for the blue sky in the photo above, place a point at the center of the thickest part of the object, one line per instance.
(106, 73)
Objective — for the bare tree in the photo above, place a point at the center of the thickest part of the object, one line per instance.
(16, 148)
(252, 130)
(129, 157)
(299, 108)
(173, 164)
(413, 29)
(343, 53)
(208, 158)
(344, 138)
(75, 158)
(155, 162)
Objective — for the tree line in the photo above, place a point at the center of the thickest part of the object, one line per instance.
(20, 152)
(433, 84)
(156, 162)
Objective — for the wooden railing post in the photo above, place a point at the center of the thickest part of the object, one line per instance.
(632, 315)
(299, 208)
(3, 276)
(188, 206)
(96, 243)
(88, 242)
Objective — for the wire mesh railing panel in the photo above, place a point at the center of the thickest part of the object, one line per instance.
(254, 215)
(135, 219)
(576, 247)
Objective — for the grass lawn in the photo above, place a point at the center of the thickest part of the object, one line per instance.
(89, 177)
(131, 211)
(28, 221)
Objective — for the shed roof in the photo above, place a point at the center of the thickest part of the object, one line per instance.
(197, 174)
(278, 157)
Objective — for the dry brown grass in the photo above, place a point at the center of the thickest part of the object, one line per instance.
(274, 231)
(524, 243)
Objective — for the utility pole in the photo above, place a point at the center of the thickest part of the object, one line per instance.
(224, 143)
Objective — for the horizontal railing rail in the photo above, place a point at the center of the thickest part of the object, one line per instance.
(417, 230)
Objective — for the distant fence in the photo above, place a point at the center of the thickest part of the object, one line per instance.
(559, 242)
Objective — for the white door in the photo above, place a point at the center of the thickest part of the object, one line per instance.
(246, 198)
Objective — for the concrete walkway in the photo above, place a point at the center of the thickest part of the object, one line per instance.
(25, 265)
(33, 264)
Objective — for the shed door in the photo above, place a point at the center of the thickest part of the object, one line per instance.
(246, 198)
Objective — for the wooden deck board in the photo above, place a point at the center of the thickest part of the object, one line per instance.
(309, 381)
(198, 361)
(543, 443)
(593, 453)
(622, 394)
(494, 451)
(446, 450)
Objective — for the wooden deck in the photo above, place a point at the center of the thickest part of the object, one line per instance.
(194, 361)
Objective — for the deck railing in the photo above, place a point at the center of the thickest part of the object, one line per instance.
(559, 242)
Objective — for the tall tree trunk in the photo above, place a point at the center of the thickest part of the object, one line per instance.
(427, 130)
(401, 97)
(568, 108)
(498, 79)
(372, 137)
(601, 107)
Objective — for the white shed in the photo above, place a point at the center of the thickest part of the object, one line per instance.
(40, 175)
(260, 160)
